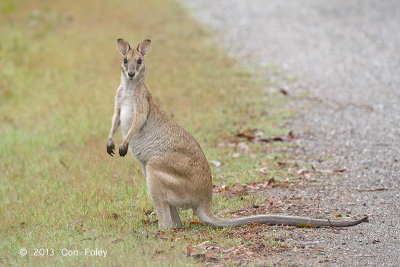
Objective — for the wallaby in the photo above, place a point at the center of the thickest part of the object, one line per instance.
(176, 169)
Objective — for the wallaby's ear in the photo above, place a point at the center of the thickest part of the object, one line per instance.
(144, 47)
(123, 46)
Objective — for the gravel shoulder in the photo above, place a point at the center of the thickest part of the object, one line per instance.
(340, 63)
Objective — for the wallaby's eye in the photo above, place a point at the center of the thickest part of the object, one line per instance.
(139, 61)
(125, 61)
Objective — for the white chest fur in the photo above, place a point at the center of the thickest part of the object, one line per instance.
(127, 105)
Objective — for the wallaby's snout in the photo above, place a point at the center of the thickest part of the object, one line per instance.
(131, 70)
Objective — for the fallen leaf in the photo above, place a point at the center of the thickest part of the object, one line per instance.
(212, 247)
(220, 188)
(190, 252)
(330, 170)
(161, 235)
(339, 170)
(270, 181)
(196, 223)
(281, 164)
(290, 136)
(249, 134)
(283, 91)
(372, 190)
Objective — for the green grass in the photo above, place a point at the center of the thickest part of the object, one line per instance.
(59, 69)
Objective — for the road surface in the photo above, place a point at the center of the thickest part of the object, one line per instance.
(340, 63)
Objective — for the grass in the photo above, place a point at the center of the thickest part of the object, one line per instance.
(59, 69)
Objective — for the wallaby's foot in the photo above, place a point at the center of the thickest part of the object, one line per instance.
(110, 147)
(170, 224)
(170, 219)
(175, 217)
(123, 149)
(166, 227)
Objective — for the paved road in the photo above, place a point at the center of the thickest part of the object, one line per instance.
(345, 56)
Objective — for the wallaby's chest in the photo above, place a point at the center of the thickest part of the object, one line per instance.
(127, 105)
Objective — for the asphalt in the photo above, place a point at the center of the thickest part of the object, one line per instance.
(339, 61)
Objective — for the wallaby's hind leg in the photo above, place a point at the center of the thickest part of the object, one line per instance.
(167, 214)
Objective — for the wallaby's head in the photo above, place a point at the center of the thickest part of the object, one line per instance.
(133, 66)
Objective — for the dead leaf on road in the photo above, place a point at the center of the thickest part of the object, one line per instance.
(283, 91)
(250, 135)
(372, 190)
(332, 171)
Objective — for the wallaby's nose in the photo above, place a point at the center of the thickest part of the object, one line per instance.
(131, 70)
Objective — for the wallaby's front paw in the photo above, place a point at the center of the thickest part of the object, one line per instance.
(110, 147)
(123, 149)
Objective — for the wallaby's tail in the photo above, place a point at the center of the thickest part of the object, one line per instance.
(206, 216)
